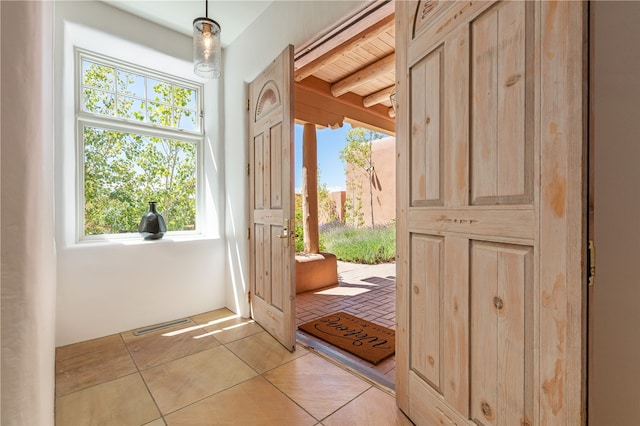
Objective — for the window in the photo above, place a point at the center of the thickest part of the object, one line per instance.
(140, 136)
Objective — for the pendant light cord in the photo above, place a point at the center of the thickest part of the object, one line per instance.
(206, 8)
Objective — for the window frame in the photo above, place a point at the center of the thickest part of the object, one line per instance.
(84, 118)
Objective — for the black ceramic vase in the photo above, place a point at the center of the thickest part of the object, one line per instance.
(152, 226)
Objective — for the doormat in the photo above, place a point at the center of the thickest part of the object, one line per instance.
(369, 341)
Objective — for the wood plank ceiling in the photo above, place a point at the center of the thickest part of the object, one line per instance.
(349, 73)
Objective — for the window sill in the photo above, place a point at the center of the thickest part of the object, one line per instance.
(135, 239)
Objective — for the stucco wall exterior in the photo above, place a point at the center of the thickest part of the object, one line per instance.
(383, 185)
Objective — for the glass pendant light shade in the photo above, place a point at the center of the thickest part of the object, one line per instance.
(206, 48)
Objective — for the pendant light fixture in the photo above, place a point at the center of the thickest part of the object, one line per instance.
(206, 46)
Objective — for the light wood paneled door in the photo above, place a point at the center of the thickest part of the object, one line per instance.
(272, 266)
(491, 212)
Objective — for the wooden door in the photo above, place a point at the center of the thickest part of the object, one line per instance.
(490, 212)
(272, 246)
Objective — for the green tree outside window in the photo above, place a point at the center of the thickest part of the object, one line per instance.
(124, 170)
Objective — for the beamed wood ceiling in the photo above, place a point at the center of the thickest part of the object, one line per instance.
(349, 74)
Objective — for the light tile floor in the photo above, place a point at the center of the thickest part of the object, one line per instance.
(217, 369)
(366, 291)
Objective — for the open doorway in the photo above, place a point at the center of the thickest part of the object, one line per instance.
(356, 220)
(346, 78)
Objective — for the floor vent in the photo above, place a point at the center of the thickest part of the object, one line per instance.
(157, 327)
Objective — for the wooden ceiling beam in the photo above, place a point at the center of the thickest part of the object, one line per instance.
(338, 52)
(378, 97)
(311, 114)
(383, 66)
(315, 104)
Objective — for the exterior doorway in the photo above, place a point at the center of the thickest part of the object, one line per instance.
(347, 77)
(349, 205)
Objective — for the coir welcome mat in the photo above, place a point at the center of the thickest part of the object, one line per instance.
(369, 341)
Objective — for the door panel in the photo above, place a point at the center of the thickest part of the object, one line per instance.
(427, 271)
(275, 168)
(258, 172)
(271, 191)
(426, 138)
(455, 316)
(480, 238)
(501, 332)
(501, 137)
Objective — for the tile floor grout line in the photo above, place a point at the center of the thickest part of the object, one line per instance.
(97, 384)
(286, 395)
(56, 396)
(208, 396)
(139, 372)
(238, 356)
(347, 403)
(221, 390)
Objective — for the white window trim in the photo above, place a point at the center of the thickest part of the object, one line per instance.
(84, 118)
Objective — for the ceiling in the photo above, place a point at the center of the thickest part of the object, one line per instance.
(233, 16)
(348, 74)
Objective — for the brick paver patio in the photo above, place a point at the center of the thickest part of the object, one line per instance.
(366, 291)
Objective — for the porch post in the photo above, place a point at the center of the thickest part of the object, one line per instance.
(310, 188)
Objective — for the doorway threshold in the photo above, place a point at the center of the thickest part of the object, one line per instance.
(347, 362)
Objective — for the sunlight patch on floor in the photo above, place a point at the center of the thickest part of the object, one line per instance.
(343, 291)
(220, 330)
(199, 326)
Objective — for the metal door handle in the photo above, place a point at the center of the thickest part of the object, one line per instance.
(285, 232)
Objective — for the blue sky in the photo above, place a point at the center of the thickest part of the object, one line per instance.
(330, 142)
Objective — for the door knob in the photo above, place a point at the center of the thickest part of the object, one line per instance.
(285, 232)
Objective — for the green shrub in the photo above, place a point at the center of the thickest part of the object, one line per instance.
(360, 245)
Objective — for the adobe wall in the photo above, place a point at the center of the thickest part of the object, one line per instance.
(384, 184)
(334, 212)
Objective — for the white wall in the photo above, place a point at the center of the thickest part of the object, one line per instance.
(108, 287)
(283, 23)
(28, 252)
(615, 381)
